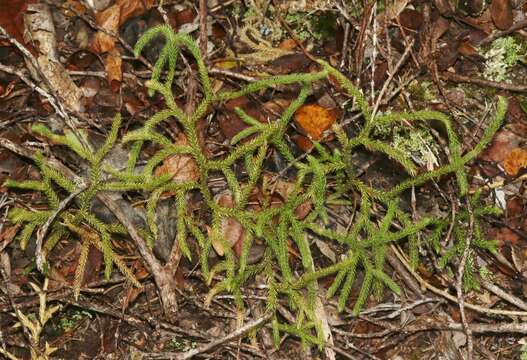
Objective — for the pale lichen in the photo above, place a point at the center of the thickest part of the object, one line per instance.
(502, 55)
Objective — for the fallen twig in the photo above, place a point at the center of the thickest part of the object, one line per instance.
(233, 335)
(459, 285)
(517, 26)
(482, 82)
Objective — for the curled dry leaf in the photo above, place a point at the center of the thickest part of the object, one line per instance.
(514, 161)
(231, 229)
(314, 119)
(114, 74)
(231, 124)
(12, 19)
(502, 144)
(411, 19)
(112, 17)
(302, 142)
(183, 167)
(284, 189)
(109, 21)
(131, 8)
(501, 13)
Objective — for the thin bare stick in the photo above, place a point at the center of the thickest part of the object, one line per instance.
(217, 71)
(517, 26)
(446, 295)
(390, 78)
(482, 82)
(496, 290)
(233, 335)
(56, 106)
(203, 41)
(459, 284)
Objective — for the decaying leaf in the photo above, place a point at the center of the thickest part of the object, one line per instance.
(411, 19)
(183, 167)
(514, 161)
(326, 250)
(109, 21)
(231, 230)
(73, 7)
(302, 142)
(112, 17)
(314, 119)
(131, 8)
(502, 144)
(501, 13)
(12, 18)
(283, 190)
(114, 74)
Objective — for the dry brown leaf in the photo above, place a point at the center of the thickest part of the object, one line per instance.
(282, 189)
(71, 8)
(302, 142)
(12, 18)
(7, 235)
(505, 236)
(411, 19)
(229, 121)
(183, 167)
(231, 229)
(501, 13)
(514, 161)
(112, 17)
(114, 74)
(185, 16)
(287, 44)
(314, 119)
(502, 144)
(131, 8)
(465, 48)
(109, 21)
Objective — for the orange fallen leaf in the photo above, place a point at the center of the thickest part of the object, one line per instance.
(107, 19)
(112, 17)
(287, 44)
(502, 144)
(302, 142)
(314, 119)
(131, 8)
(514, 161)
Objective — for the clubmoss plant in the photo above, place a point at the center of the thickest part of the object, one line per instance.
(278, 227)
(34, 325)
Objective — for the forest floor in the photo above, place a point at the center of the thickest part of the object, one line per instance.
(263, 216)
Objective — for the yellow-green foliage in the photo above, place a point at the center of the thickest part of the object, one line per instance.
(366, 240)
